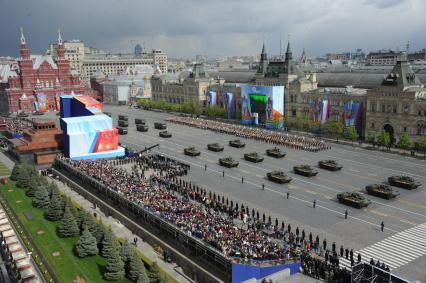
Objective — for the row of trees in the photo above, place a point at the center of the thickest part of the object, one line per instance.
(94, 237)
(188, 107)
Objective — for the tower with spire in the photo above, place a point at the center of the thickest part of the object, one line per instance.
(263, 64)
(288, 64)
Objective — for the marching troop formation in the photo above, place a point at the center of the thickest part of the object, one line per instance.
(285, 139)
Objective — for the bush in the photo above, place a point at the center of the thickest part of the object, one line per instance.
(114, 269)
(68, 227)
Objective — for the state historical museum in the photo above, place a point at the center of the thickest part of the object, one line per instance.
(35, 82)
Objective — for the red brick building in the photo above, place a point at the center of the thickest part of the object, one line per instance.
(20, 83)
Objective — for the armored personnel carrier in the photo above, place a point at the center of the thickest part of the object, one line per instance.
(275, 152)
(142, 128)
(354, 199)
(404, 182)
(330, 165)
(253, 157)
(160, 126)
(140, 121)
(381, 191)
(122, 131)
(215, 147)
(237, 143)
(123, 123)
(305, 170)
(191, 151)
(123, 118)
(165, 134)
(278, 177)
(228, 162)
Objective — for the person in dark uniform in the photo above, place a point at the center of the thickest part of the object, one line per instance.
(314, 203)
(347, 253)
(346, 214)
(341, 251)
(297, 231)
(310, 237)
(289, 228)
(359, 257)
(324, 244)
(333, 247)
(351, 254)
(303, 235)
(371, 261)
(382, 226)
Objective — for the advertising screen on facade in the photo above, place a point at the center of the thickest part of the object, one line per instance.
(266, 101)
(41, 102)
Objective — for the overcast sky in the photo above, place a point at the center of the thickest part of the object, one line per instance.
(184, 28)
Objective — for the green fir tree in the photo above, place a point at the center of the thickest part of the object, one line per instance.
(154, 273)
(55, 208)
(143, 278)
(68, 227)
(16, 171)
(114, 269)
(126, 252)
(24, 178)
(135, 267)
(41, 197)
(109, 243)
(86, 245)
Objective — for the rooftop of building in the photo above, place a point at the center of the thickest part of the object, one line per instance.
(331, 91)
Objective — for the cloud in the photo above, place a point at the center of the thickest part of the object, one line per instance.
(384, 4)
(216, 27)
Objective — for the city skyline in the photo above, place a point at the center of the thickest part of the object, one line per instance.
(218, 28)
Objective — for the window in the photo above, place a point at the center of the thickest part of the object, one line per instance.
(383, 108)
(293, 113)
(372, 125)
(394, 108)
(405, 129)
(406, 109)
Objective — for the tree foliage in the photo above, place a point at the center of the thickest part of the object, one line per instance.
(41, 197)
(109, 243)
(422, 143)
(126, 252)
(404, 142)
(352, 134)
(384, 139)
(154, 273)
(56, 207)
(86, 245)
(68, 226)
(114, 269)
(136, 267)
(16, 171)
(370, 138)
(334, 128)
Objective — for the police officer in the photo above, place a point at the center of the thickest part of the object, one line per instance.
(341, 251)
(310, 237)
(347, 253)
(346, 214)
(324, 244)
(359, 257)
(288, 194)
(242, 179)
(382, 226)
(223, 173)
(314, 203)
(333, 247)
(351, 254)
(263, 187)
(297, 231)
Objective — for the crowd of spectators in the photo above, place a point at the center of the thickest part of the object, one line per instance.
(269, 136)
(197, 213)
(15, 125)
